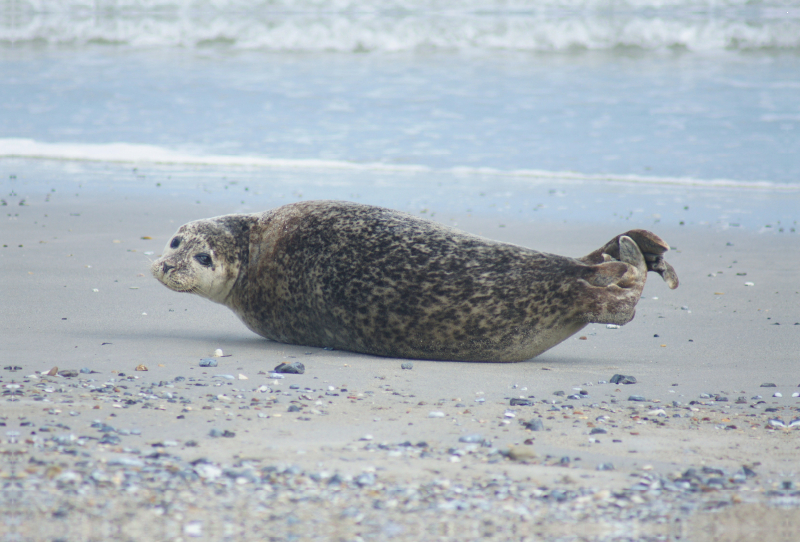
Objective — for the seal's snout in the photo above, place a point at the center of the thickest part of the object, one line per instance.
(166, 267)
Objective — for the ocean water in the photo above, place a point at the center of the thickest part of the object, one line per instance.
(498, 96)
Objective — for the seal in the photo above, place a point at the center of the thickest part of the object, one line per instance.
(368, 279)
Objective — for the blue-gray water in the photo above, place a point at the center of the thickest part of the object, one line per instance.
(665, 92)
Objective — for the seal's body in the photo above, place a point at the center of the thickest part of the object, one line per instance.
(372, 280)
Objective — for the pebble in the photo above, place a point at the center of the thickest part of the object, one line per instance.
(407, 366)
(636, 398)
(208, 362)
(768, 385)
(623, 379)
(612, 326)
(522, 453)
(294, 367)
(68, 373)
(85, 370)
(605, 466)
(521, 402)
(436, 414)
(535, 424)
(140, 367)
(475, 438)
(777, 394)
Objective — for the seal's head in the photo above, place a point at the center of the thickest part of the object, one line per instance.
(204, 257)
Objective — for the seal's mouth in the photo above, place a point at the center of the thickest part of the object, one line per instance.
(157, 270)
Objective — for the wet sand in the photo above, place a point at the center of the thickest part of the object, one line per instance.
(361, 456)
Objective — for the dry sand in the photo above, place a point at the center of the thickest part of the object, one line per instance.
(77, 293)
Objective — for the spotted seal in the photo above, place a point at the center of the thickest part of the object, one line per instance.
(372, 280)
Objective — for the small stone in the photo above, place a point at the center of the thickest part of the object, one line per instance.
(776, 422)
(521, 453)
(215, 433)
(559, 393)
(53, 371)
(768, 385)
(605, 466)
(612, 326)
(68, 373)
(598, 431)
(86, 370)
(521, 402)
(141, 367)
(407, 366)
(208, 362)
(777, 394)
(436, 414)
(636, 398)
(534, 424)
(749, 284)
(366, 479)
(475, 438)
(623, 379)
(218, 353)
(294, 367)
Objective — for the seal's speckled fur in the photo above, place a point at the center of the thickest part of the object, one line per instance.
(372, 280)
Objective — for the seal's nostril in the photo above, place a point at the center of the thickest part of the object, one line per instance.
(166, 267)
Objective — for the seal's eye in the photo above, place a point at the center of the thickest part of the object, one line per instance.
(176, 241)
(204, 259)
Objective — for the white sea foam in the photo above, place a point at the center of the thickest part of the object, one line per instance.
(150, 154)
(407, 25)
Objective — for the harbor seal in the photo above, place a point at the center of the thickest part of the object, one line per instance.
(368, 279)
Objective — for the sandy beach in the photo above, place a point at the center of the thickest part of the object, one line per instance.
(357, 448)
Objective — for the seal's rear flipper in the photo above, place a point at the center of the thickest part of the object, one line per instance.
(651, 246)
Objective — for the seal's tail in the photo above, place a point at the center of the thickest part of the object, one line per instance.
(651, 246)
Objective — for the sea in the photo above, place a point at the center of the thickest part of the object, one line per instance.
(673, 111)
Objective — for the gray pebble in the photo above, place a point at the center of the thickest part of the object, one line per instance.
(366, 479)
(68, 373)
(407, 366)
(605, 466)
(623, 379)
(598, 431)
(294, 367)
(471, 438)
(768, 385)
(521, 402)
(636, 398)
(535, 424)
(86, 370)
(208, 362)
